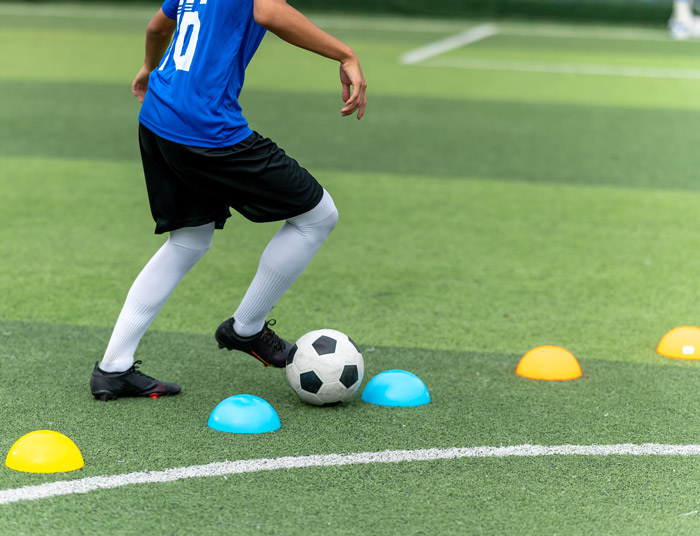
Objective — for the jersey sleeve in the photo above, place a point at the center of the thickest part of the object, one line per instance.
(170, 8)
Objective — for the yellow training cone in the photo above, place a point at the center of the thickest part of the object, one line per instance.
(44, 451)
(549, 363)
(681, 343)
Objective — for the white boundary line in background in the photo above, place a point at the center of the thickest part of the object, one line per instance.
(345, 22)
(566, 68)
(351, 22)
(86, 485)
(614, 34)
(478, 33)
(467, 37)
(427, 55)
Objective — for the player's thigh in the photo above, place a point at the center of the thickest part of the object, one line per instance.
(255, 177)
(174, 201)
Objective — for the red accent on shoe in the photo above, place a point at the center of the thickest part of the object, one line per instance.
(154, 396)
(256, 356)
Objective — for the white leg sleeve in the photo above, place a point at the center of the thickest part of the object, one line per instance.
(151, 290)
(283, 261)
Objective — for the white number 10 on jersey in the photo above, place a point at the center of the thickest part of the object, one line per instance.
(188, 31)
(183, 58)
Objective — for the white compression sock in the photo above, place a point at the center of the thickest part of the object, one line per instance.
(283, 261)
(682, 10)
(151, 290)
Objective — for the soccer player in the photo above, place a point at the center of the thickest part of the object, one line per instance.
(200, 158)
(684, 24)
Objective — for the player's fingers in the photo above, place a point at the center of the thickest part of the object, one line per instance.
(346, 93)
(139, 86)
(354, 87)
(349, 108)
(139, 91)
(358, 100)
(362, 106)
(350, 100)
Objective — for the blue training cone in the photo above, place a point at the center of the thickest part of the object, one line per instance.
(396, 388)
(244, 414)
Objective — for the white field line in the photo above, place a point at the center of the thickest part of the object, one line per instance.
(615, 34)
(566, 68)
(380, 23)
(472, 35)
(135, 13)
(385, 24)
(86, 485)
(478, 33)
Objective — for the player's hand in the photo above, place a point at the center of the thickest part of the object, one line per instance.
(354, 88)
(140, 84)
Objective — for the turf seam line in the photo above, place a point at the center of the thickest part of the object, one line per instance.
(86, 485)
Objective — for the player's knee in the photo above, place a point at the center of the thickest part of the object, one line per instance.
(316, 224)
(319, 230)
(331, 221)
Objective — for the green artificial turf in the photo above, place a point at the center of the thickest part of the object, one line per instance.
(480, 400)
(482, 213)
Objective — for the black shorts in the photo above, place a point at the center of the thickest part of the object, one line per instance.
(190, 186)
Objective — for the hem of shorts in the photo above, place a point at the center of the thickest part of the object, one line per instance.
(293, 214)
(193, 222)
(312, 205)
(243, 133)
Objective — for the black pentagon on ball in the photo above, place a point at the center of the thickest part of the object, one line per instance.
(349, 376)
(324, 345)
(310, 382)
(291, 354)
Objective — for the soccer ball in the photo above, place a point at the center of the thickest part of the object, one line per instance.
(325, 367)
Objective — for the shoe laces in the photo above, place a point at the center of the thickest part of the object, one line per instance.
(135, 369)
(269, 337)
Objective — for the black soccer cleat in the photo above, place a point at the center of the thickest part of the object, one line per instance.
(112, 385)
(268, 348)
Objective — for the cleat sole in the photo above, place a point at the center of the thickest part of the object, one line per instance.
(222, 346)
(104, 397)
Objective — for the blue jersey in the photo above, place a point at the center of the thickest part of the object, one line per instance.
(192, 96)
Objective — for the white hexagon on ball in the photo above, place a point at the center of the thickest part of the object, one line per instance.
(325, 367)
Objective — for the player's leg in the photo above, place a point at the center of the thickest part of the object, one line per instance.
(259, 180)
(284, 259)
(116, 374)
(190, 217)
(282, 262)
(151, 290)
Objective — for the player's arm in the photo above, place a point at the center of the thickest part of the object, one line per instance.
(292, 26)
(158, 35)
